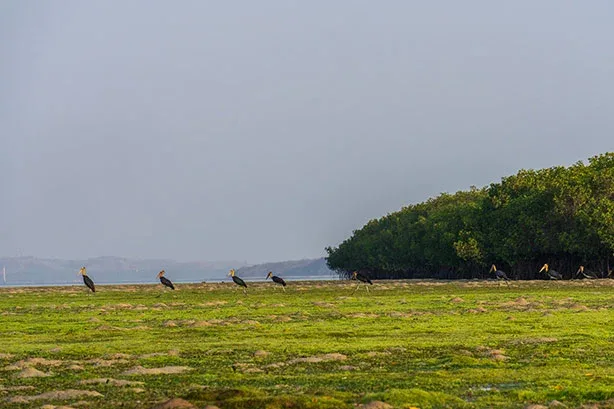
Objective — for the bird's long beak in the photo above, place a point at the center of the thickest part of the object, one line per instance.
(492, 268)
(543, 268)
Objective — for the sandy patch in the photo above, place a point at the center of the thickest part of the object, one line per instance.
(106, 363)
(76, 367)
(175, 403)
(311, 360)
(111, 381)
(33, 373)
(167, 370)
(55, 407)
(260, 353)
(26, 363)
(16, 388)
(56, 395)
(457, 300)
(5, 356)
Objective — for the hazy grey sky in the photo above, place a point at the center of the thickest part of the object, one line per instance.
(267, 130)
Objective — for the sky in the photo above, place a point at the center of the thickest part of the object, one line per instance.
(268, 130)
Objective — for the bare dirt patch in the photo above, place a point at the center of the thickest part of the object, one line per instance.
(16, 388)
(176, 403)
(110, 381)
(33, 373)
(26, 363)
(56, 395)
(167, 370)
(107, 363)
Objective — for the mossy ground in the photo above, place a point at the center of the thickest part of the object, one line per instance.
(409, 343)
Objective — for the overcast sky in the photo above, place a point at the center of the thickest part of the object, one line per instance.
(267, 130)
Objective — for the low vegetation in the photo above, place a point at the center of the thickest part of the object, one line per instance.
(461, 344)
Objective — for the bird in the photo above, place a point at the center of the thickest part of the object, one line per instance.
(88, 281)
(237, 280)
(165, 280)
(553, 274)
(585, 273)
(499, 274)
(363, 278)
(277, 280)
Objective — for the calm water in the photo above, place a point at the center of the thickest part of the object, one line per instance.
(209, 280)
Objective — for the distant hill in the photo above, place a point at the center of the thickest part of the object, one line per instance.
(290, 269)
(40, 271)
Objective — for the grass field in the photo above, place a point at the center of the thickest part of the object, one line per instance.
(407, 343)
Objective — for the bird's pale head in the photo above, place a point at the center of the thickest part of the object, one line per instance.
(83, 271)
(354, 274)
(161, 273)
(492, 268)
(581, 269)
(232, 272)
(269, 275)
(544, 268)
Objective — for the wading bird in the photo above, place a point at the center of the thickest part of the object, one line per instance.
(88, 281)
(499, 274)
(165, 280)
(277, 280)
(362, 277)
(237, 280)
(553, 274)
(585, 273)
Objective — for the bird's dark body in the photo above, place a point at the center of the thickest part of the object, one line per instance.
(501, 275)
(362, 277)
(238, 281)
(167, 282)
(89, 283)
(554, 275)
(278, 280)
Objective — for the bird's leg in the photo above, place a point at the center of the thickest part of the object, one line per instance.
(355, 289)
(367, 287)
(283, 287)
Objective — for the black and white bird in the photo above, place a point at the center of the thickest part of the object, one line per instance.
(277, 280)
(88, 281)
(165, 280)
(499, 274)
(585, 273)
(238, 281)
(553, 274)
(363, 278)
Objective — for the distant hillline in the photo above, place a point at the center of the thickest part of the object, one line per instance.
(117, 270)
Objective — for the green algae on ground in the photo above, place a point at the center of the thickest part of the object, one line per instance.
(426, 344)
